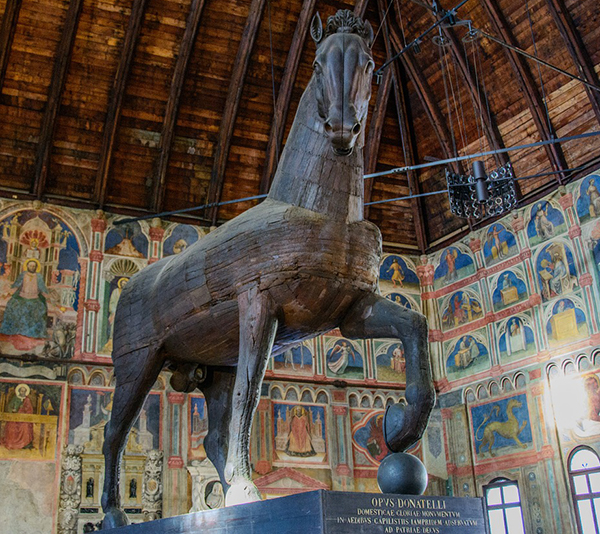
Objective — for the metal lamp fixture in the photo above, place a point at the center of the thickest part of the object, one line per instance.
(477, 195)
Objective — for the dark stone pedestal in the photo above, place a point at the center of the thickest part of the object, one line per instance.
(330, 512)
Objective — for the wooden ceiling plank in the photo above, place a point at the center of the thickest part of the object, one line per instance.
(284, 96)
(117, 94)
(409, 149)
(433, 111)
(7, 32)
(59, 75)
(528, 87)
(232, 103)
(577, 50)
(172, 109)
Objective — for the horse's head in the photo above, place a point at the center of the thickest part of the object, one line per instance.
(343, 69)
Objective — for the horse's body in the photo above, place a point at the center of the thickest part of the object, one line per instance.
(299, 264)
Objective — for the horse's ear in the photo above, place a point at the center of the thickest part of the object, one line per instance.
(369, 33)
(316, 29)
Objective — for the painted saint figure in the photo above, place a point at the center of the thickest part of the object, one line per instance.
(497, 247)
(543, 226)
(376, 441)
(339, 358)
(594, 195)
(299, 440)
(112, 309)
(450, 259)
(398, 362)
(398, 275)
(18, 434)
(515, 341)
(26, 312)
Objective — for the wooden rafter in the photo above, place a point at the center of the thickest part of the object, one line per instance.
(284, 96)
(375, 128)
(232, 103)
(478, 97)
(168, 130)
(59, 75)
(577, 49)
(528, 87)
(373, 140)
(409, 149)
(360, 8)
(432, 109)
(7, 32)
(117, 94)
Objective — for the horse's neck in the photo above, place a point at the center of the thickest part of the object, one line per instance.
(311, 176)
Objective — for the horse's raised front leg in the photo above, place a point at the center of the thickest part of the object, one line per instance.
(258, 326)
(376, 317)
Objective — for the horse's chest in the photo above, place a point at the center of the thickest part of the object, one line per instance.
(330, 268)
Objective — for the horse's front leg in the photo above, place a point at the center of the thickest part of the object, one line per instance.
(376, 317)
(258, 326)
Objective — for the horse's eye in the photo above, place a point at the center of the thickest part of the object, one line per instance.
(317, 67)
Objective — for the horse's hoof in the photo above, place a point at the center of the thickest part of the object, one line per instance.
(242, 492)
(394, 427)
(114, 518)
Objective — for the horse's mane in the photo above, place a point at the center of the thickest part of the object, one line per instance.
(344, 21)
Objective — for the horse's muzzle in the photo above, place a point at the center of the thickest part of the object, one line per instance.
(342, 133)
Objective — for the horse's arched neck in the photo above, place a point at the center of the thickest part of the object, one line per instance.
(311, 176)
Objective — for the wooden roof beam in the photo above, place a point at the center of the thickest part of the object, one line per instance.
(59, 76)
(117, 93)
(360, 8)
(172, 109)
(528, 87)
(409, 148)
(7, 32)
(433, 111)
(284, 96)
(232, 103)
(576, 48)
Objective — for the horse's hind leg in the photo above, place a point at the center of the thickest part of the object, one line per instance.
(376, 317)
(218, 390)
(135, 372)
(258, 326)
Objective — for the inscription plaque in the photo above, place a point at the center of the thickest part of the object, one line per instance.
(402, 514)
(331, 512)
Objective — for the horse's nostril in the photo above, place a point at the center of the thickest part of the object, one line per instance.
(356, 128)
(328, 127)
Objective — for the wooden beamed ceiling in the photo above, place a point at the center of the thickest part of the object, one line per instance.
(138, 106)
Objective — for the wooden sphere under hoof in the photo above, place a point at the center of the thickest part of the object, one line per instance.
(403, 474)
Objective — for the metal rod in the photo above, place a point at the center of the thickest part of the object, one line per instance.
(448, 13)
(406, 198)
(398, 170)
(537, 59)
(187, 210)
(538, 175)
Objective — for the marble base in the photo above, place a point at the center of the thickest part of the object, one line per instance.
(330, 512)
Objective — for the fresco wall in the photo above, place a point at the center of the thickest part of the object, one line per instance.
(506, 305)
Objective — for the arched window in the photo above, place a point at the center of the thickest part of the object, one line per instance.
(584, 475)
(504, 507)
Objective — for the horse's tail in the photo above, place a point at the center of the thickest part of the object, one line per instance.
(496, 410)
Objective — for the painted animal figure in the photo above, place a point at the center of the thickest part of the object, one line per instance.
(509, 429)
(294, 267)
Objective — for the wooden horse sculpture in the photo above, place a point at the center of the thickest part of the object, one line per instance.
(298, 265)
